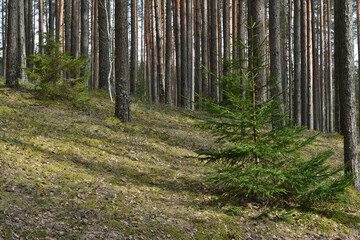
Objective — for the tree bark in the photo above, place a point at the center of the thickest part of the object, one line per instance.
(184, 55)
(85, 33)
(214, 51)
(256, 15)
(168, 53)
(304, 68)
(204, 48)
(22, 43)
(310, 110)
(122, 100)
(41, 26)
(344, 73)
(104, 44)
(330, 72)
(160, 49)
(275, 50)
(134, 47)
(12, 61)
(297, 62)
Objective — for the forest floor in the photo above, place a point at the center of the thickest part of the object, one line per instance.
(73, 171)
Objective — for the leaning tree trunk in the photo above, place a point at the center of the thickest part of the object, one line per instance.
(122, 100)
(344, 74)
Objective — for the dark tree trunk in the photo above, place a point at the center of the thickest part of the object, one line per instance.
(213, 51)
(122, 100)
(344, 74)
(134, 47)
(275, 50)
(184, 55)
(168, 53)
(297, 62)
(12, 61)
(85, 33)
(204, 48)
(304, 69)
(104, 44)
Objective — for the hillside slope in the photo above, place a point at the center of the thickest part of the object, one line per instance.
(76, 172)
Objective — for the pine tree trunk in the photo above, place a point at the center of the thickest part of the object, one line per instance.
(189, 35)
(41, 26)
(122, 100)
(85, 33)
(310, 110)
(134, 47)
(304, 69)
(104, 43)
(344, 73)
(5, 36)
(197, 47)
(205, 54)
(51, 18)
(275, 49)
(297, 62)
(213, 51)
(177, 49)
(22, 44)
(330, 71)
(12, 61)
(226, 33)
(256, 15)
(160, 49)
(184, 55)
(168, 54)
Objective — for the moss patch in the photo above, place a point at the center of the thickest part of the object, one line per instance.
(73, 171)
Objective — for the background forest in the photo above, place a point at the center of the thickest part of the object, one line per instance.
(244, 85)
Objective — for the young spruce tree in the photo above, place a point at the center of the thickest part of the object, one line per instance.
(256, 160)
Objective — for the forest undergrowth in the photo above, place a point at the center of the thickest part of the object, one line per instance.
(73, 171)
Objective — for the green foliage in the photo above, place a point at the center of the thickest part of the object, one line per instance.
(50, 70)
(257, 160)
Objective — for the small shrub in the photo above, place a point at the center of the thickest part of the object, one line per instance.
(50, 70)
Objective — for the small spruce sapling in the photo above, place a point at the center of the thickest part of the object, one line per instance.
(256, 160)
(49, 73)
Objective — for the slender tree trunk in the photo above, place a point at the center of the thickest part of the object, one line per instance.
(184, 55)
(304, 68)
(160, 48)
(205, 55)
(122, 100)
(275, 50)
(168, 53)
(104, 43)
(22, 48)
(41, 26)
(213, 51)
(310, 110)
(189, 35)
(197, 47)
(315, 69)
(226, 29)
(51, 18)
(290, 53)
(330, 72)
(256, 15)
(12, 62)
(5, 37)
(177, 49)
(85, 33)
(67, 26)
(344, 73)
(297, 62)
(75, 29)
(134, 47)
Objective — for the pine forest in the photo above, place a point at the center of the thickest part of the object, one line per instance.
(179, 119)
